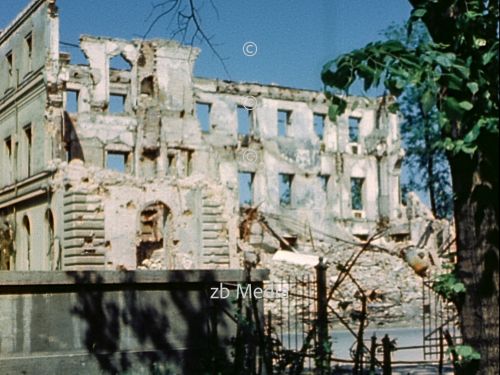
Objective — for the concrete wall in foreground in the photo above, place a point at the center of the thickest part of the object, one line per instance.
(113, 322)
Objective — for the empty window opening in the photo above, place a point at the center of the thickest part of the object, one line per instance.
(284, 121)
(324, 179)
(147, 86)
(245, 188)
(117, 161)
(189, 162)
(117, 103)
(354, 129)
(6, 245)
(400, 237)
(203, 113)
(28, 41)
(319, 124)
(72, 101)
(244, 120)
(362, 237)
(285, 189)
(357, 193)
(119, 62)
(10, 67)
(171, 164)
(8, 159)
(152, 229)
(28, 142)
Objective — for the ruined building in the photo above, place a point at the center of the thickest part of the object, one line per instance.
(151, 167)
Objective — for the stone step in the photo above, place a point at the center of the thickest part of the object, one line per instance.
(213, 219)
(212, 227)
(84, 208)
(95, 251)
(211, 211)
(77, 216)
(79, 242)
(77, 233)
(210, 235)
(81, 198)
(210, 203)
(83, 260)
(215, 243)
(85, 267)
(215, 260)
(216, 252)
(87, 225)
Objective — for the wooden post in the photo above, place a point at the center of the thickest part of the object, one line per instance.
(360, 347)
(386, 344)
(373, 351)
(441, 350)
(322, 352)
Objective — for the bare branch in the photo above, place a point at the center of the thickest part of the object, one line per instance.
(189, 24)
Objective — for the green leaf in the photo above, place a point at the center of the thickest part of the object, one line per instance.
(445, 59)
(333, 112)
(341, 78)
(419, 13)
(428, 101)
(453, 108)
(492, 53)
(367, 74)
(473, 87)
(466, 105)
(463, 70)
(467, 352)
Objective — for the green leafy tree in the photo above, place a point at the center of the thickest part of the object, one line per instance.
(458, 73)
(425, 164)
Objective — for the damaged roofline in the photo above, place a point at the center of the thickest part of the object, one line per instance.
(21, 18)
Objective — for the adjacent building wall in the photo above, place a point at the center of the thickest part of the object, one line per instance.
(28, 65)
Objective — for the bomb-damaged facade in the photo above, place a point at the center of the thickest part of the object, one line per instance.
(148, 166)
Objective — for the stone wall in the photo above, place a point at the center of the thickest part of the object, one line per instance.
(114, 322)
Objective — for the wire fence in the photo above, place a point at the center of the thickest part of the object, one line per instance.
(299, 330)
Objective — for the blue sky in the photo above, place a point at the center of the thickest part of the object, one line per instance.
(294, 37)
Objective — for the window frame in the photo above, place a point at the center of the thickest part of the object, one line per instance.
(354, 136)
(357, 202)
(322, 116)
(284, 130)
(126, 160)
(208, 106)
(285, 179)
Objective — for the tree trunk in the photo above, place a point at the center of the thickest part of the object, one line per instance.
(475, 184)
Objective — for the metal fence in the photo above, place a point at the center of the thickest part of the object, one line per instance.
(440, 324)
(290, 323)
(298, 330)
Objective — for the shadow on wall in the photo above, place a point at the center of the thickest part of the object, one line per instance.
(73, 146)
(162, 328)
